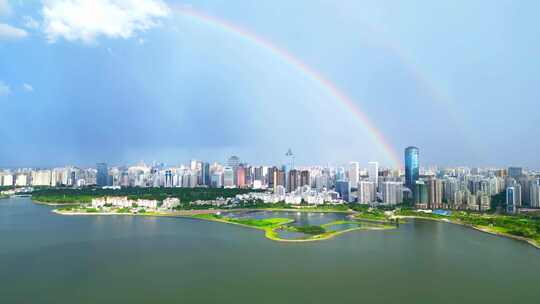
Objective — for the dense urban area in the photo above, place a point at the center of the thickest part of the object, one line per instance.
(503, 200)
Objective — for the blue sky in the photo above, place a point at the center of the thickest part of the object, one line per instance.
(125, 80)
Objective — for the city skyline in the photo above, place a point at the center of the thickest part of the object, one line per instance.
(373, 74)
(273, 151)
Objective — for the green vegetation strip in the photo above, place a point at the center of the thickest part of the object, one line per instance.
(271, 225)
(85, 195)
(520, 226)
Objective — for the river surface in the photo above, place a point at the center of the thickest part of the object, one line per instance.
(50, 258)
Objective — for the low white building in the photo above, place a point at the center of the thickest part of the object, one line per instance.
(170, 203)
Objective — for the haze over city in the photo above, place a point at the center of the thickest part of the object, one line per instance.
(169, 81)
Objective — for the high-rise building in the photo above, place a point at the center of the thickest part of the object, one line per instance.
(228, 177)
(517, 194)
(205, 174)
(515, 172)
(270, 177)
(354, 173)
(293, 180)
(279, 178)
(41, 178)
(304, 178)
(102, 175)
(421, 195)
(344, 190)
(535, 195)
(373, 173)
(241, 177)
(392, 193)
(434, 187)
(233, 161)
(7, 180)
(511, 200)
(216, 180)
(258, 174)
(168, 179)
(21, 180)
(412, 167)
(366, 192)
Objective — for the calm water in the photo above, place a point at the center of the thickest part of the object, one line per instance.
(300, 218)
(48, 258)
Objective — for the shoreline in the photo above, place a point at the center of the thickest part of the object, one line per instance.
(269, 233)
(193, 213)
(477, 228)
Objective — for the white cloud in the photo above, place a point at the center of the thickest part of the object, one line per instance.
(9, 32)
(4, 89)
(5, 8)
(85, 20)
(30, 23)
(28, 88)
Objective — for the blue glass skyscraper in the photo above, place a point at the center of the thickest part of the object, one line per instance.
(102, 176)
(412, 167)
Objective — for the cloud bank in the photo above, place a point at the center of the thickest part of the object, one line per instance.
(8, 32)
(86, 20)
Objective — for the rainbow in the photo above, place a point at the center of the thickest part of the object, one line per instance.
(330, 88)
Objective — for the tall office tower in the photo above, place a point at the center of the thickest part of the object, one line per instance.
(204, 174)
(304, 178)
(102, 175)
(511, 200)
(449, 189)
(366, 192)
(373, 173)
(344, 190)
(293, 180)
(278, 178)
(228, 177)
(354, 173)
(270, 177)
(517, 194)
(525, 182)
(216, 180)
(258, 174)
(241, 177)
(234, 162)
(73, 179)
(340, 174)
(421, 195)
(535, 194)
(392, 193)
(412, 167)
(515, 172)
